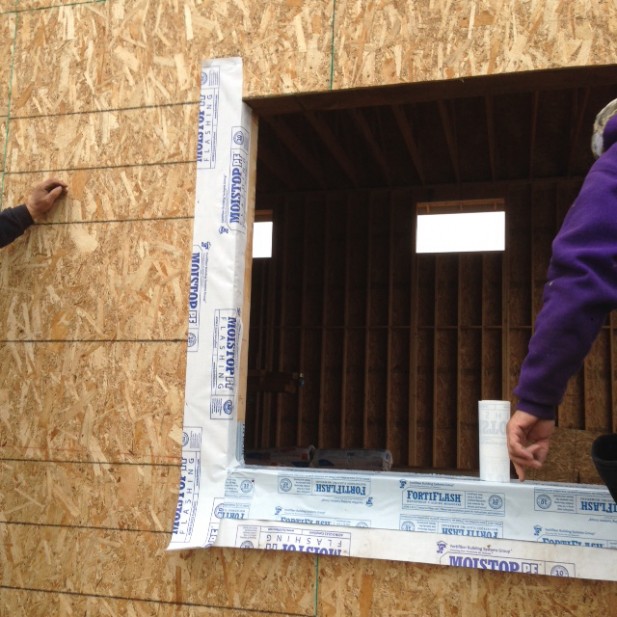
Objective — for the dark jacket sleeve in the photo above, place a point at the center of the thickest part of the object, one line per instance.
(580, 292)
(13, 223)
(604, 454)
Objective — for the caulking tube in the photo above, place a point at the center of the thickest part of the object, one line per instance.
(493, 417)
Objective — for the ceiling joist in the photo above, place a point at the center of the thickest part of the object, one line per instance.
(375, 148)
(404, 126)
(445, 135)
(333, 145)
(298, 149)
(448, 129)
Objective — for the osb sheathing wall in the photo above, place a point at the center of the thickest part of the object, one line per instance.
(93, 304)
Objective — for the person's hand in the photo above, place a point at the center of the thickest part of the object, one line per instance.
(528, 441)
(43, 197)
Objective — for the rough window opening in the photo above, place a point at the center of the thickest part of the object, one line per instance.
(356, 340)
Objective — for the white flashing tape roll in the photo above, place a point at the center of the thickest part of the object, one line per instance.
(493, 417)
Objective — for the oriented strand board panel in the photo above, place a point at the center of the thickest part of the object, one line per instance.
(365, 587)
(136, 53)
(152, 135)
(18, 603)
(99, 401)
(93, 281)
(130, 497)
(569, 458)
(390, 41)
(136, 566)
(131, 192)
(152, 51)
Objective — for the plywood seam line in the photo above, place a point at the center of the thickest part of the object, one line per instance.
(332, 45)
(94, 340)
(105, 222)
(149, 219)
(32, 9)
(84, 462)
(92, 527)
(175, 460)
(255, 611)
(107, 110)
(8, 109)
(99, 167)
(155, 459)
(315, 612)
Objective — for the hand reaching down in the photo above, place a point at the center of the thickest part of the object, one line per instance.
(528, 441)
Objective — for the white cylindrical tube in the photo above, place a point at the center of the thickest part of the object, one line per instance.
(494, 460)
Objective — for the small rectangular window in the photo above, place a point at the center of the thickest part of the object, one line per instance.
(460, 227)
(262, 234)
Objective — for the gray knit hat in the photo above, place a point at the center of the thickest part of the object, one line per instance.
(604, 115)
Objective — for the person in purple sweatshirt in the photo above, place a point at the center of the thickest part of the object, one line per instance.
(580, 292)
(15, 221)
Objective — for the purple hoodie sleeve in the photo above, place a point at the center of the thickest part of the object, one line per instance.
(580, 292)
(13, 223)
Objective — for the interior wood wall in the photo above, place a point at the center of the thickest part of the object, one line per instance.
(396, 348)
(103, 94)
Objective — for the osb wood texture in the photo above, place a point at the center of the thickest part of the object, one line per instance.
(128, 192)
(391, 41)
(105, 402)
(569, 458)
(148, 53)
(92, 310)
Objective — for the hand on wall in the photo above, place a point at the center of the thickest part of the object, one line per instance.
(43, 197)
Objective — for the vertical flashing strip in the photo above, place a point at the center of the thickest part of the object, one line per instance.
(212, 428)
